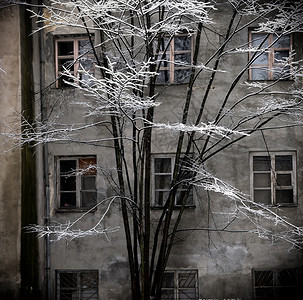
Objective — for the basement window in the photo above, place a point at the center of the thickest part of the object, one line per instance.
(272, 62)
(180, 284)
(77, 182)
(278, 284)
(162, 180)
(274, 178)
(76, 56)
(175, 57)
(75, 284)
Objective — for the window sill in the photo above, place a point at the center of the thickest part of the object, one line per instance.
(75, 210)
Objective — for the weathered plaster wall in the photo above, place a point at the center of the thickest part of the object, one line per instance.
(10, 161)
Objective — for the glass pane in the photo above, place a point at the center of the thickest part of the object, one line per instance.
(258, 38)
(161, 197)
(187, 280)
(68, 280)
(261, 163)
(88, 182)
(89, 279)
(180, 195)
(259, 74)
(86, 80)
(168, 280)
(162, 182)
(168, 294)
(262, 180)
(284, 196)
(164, 76)
(64, 80)
(283, 42)
(264, 278)
(85, 47)
(283, 163)
(163, 44)
(286, 277)
(187, 294)
(281, 56)
(65, 48)
(88, 199)
(262, 59)
(68, 183)
(88, 165)
(162, 165)
(283, 179)
(262, 196)
(184, 58)
(288, 293)
(182, 43)
(86, 63)
(65, 64)
(283, 73)
(67, 166)
(265, 294)
(68, 199)
(182, 75)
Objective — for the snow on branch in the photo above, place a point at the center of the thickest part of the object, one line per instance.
(208, 129)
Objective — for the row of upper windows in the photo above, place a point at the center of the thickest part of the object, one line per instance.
(273, 180)
(183, 284)
(268, 61)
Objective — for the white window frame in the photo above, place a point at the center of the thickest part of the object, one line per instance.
(171, 52)
(79, 292)
(176, 289)
(73, 57)
(154, 174)
(271, 55)
(78, 174)
(273, 177)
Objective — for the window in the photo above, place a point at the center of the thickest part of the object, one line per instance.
(79, 285)
(278, 284)
(180, 284)
(176, 58)
(163, 175)
(75, 55)
(77, 182)
(270, 65)
(274, 178)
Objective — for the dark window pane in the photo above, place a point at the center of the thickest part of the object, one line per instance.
(187, 294)
(163, 76)
(182, 75)
(187, 279)
(261, 163)
(66, 48)
(88, 182)
(262, 180)
(262, 196)
(258, 38)
(284, 196)
(184, 59)
(68, 183)
(168, 280)
(281, 56)
(182, 43)
(164, 44)
(287, 293)
(259, 74)
(286, 277)
(65, 64)
(67, 166)
(168, 295)
(162, 182)
(265, 294)
(163, 165)
(283, 163)
(89, 279)
(161, 197)
(264, 278)
(68, 280)
(88, 199)
(283, 179)
(283, 42)
(68, 199)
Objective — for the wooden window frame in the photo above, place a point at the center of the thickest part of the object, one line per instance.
(271, 55)
(79, 175)
(73, 57)
(176, 288)
(78, 289)
(170, 52)
(273, 173)
(154, 174)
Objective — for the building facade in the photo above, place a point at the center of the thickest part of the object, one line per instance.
(218, 252)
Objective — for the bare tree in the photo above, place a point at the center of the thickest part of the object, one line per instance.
(131, 51)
